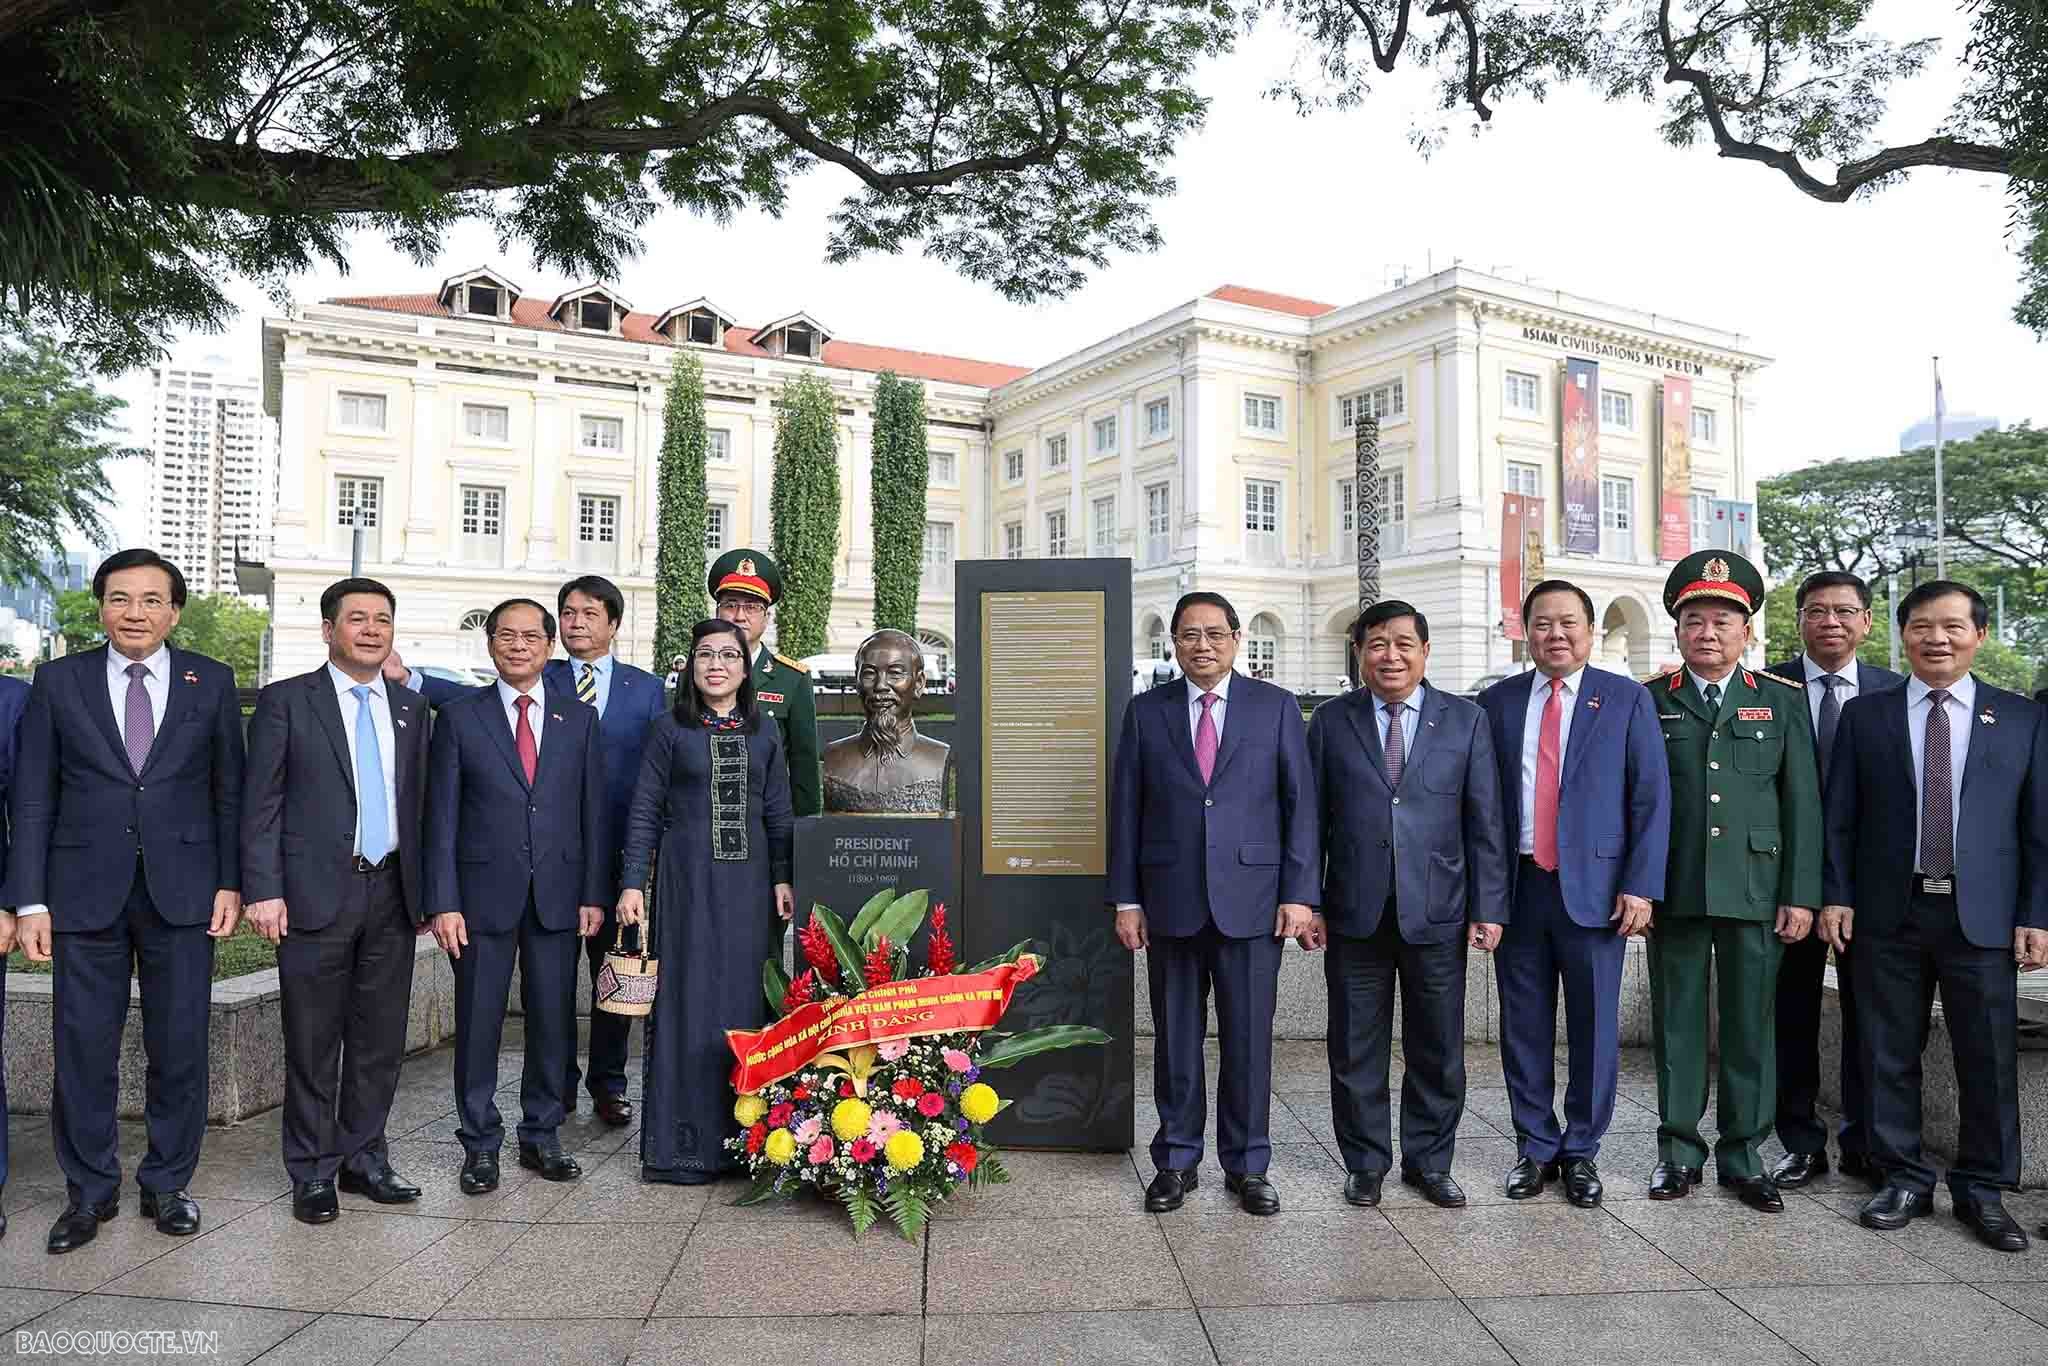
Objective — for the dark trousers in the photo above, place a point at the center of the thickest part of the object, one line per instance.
(1361, 974)
(345, 989)
(609, 1033)
(547, 993)
(1802, 981)
(1895, 975)
(173, 964)
(1542, 947)
(1245, 974)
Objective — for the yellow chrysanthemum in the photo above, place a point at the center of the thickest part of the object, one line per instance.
(850, 1119)
(781, 1147)
(904, 1150)
(748, 1110)
(979, 1103)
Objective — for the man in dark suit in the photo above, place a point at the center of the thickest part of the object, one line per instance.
(1587, 798)
(1937, 873)
(13, 702)
(628, 700)
(519, 864)
(331, 843)
(1415, 843)
(1213, 864)
(127, 807)
(1834, 618)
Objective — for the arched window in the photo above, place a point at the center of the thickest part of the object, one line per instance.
(1262, 646)
(473, 620)
(1157, 646)
(938, 660)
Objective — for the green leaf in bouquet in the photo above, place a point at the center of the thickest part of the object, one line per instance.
(763, 1190)
(842, 948)
(1032, 1042)
(901, 967)
(908, 1208)
(774, 984)
(900, 920)
(989, 1172)
(860, 1206)
(1016, 951)
(864, 923)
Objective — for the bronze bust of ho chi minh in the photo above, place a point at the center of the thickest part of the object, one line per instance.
(887, 767)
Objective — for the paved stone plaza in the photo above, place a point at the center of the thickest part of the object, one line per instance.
(1061, 1267)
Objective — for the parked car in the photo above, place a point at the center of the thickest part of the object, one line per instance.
(465, 678)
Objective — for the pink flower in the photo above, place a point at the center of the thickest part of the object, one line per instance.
(931, 1104)
(808, 1131)
(881, 1126)
(862, 1150)
(956, 1060)
(892, 1050)
(821, 1151)
(778, 1115)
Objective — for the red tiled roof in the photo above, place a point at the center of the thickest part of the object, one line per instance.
(1278, 303)
(639, 327)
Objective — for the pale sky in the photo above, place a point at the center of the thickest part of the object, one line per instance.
(1851, 300)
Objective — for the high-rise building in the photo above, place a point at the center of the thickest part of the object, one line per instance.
(213, 485)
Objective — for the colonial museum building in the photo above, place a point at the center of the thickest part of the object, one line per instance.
(488, 443)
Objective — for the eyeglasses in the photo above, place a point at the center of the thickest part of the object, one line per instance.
(1819, 613)
(727, 657)
(508, 638)
(1215, 635)
(743, 607)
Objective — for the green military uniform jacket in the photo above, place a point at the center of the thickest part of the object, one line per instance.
(1745, 798)
(783, 688)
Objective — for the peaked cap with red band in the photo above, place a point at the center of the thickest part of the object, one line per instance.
(1714, 575)
(745, 570)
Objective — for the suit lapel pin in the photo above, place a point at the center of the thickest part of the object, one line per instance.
(399, 719)
(1985, 718)
(554, 716)
(191, 677)
(1592, 704)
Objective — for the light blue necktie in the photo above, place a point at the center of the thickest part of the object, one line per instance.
(373, 823)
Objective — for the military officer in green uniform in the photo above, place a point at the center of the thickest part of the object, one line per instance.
(745, 585)
(1744, 877)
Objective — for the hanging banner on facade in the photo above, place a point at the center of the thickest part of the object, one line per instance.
(1579, 417)
(1731, 525)
(1521, 556)
(1674, 524)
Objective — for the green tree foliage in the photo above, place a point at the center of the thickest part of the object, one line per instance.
(804, 508)
(54, 441)
(218, 625)
(902, 477)
(153, 148)
(679, 568)
(1799, 87)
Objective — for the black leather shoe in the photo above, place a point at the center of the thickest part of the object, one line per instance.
(1669, 1181)
(313, 1202)
(1863, 1167)
(1796, 1169)
(381, 1184)
(1526, 1179)
(552, 1163)
(1894, 1207)
(1437, 1187)
(1168, 1189)
(175, 1212)
(79, 1225)
(480, 1173)
(1362, 1188)
(616, 1111)
(1254, 1192)
(1582, 1183)
(1992, 1225)
(1760, 1193)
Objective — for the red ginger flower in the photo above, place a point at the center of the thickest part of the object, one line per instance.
(802, 990)
(817, 947)
(880, 966)
(939, 952)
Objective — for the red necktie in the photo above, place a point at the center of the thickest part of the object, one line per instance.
(522, 734)
(1549, 747)
(1206, 739)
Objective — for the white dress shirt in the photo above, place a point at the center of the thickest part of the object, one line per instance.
(1845, 691)
(508, 699)
(1962, 715)
(157, 684)
(387, 744)
(1701, 682)
(605, 665)
(1532, 740)
(1410, 709)
(1221, 705)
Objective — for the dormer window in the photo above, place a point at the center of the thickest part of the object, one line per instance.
(593, 308)
(799, 341)
(483, 300)
(696, 323)
(594, 315)
(479, 293)
(799, 335)
(703, 328)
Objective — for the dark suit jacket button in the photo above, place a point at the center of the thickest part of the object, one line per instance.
(138, 787)
(1208, 801)
(1383, 844)
(129, 831)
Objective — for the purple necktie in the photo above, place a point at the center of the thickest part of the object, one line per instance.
(140, 731)
(1205, 738)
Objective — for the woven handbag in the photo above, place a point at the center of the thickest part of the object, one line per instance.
(627, 982)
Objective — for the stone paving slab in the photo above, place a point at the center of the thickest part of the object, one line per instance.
(1063, 1266)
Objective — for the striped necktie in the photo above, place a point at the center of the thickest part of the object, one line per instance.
(586, 685)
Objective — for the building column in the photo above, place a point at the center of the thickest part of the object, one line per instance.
(760, 496)
(1079, 453)
(542, 551)
(1188, 540)
(424, 460)
(289, 525)
(1128, 514)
